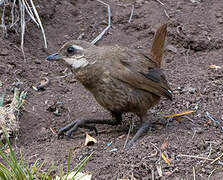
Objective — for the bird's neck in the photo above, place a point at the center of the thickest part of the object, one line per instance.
(88, 77)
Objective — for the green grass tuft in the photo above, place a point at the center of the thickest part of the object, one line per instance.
(12, 169)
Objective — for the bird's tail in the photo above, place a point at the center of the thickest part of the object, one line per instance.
(158, 44)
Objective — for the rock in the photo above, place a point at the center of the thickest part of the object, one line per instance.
(81, 36)
(94, 110)
(195, 1)
(4, 52)
(218, 15)
(37, 61)
(198, 130)
(199, 44)
(2, 70)
(67, 37)
(171, 48)
(220, 20)
(191, 90)
(169, 60)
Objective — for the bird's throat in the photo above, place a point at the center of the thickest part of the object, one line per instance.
(79, 63)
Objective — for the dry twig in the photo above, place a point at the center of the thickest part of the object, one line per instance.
(211, 118)
(132, 10)
(158, 150)
(130, 129)
(167, 15)
(160, 2)
(209, 154)
(23, 24)
(196, 157)
(4, 29)
(39, 22)
(191, 120)
(218, 158)
(209, 176)
(109, 23)
(18, 11)
(194, 173)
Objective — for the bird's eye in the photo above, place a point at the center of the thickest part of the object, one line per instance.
(71, 50)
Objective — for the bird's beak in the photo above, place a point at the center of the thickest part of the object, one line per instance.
(53, 57)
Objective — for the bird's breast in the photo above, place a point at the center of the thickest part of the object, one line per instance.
(115, 95)
(89, 77)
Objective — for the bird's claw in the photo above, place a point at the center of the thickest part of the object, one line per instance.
(60, 134)
(68, 129)
(68, 134)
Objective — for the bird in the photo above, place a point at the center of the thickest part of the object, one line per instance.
(121, 79)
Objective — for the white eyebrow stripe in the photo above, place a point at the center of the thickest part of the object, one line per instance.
(77, 47)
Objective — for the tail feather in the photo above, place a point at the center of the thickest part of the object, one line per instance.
(158, 44)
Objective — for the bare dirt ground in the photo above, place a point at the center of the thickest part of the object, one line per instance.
(195, 30)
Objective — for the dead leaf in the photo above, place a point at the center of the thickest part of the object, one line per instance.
(209, 122)
(43, 83)
(179, 114)
(165, 158)
(122, 136)
(7, 151)
(89, 140)
(165, 144)
(79, 175)
(213, 66)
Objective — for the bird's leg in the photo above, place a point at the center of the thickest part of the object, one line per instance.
(84, 123)
(70, 125)
(143, 129)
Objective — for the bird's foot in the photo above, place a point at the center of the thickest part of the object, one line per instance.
(73, 126)
(143, 129)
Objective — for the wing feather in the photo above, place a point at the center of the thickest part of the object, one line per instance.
(152, 82)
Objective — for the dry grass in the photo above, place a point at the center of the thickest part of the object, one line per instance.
(9, 113)
(15, 14)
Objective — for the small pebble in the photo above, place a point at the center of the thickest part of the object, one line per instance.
(4, 52)
(114, 150)
(218, 15)
(220, 20)
(171, 48)
(109, 144)
(199, 130)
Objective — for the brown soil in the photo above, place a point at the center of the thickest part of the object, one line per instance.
(195, 30)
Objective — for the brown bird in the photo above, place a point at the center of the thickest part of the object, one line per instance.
(121, 79)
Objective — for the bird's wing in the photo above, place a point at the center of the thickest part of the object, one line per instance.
(141, 76)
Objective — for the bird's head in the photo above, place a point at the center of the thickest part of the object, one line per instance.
(72, 54)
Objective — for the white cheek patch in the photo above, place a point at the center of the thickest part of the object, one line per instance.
(79, 63)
